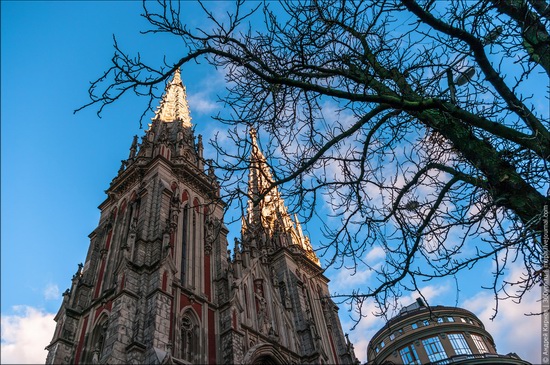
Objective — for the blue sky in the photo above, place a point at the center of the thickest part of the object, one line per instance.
(56, 166)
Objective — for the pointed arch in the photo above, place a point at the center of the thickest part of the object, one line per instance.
(97, 339)
(122, 206)
(264, 353)
(196, 204)
(184, 196)
(184, 238)
(189, 336)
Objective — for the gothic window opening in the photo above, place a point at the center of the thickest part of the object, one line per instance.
(189, 343)
(245, 300)
(282, 291)
(98, 341)
(128, 223)
(183, 246)
(193, 246)
(103, 255)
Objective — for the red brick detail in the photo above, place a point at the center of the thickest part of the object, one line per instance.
(108, 243)
(107, 306)
(212, 346)
(234, 319)
(184, 302)
(196, 205)
(123, 207)
(102, 268)
(184, 196)
(81, 341)
(100, 278)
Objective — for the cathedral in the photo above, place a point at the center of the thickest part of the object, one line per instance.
(159, 285)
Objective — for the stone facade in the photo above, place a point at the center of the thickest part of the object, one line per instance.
(159, 285)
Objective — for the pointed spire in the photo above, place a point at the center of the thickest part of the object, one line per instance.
(270, 214)
(174, 106)
(259, 176)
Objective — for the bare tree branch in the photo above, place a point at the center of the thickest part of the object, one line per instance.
(352, 101)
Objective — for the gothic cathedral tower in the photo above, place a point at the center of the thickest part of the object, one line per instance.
(159, 285)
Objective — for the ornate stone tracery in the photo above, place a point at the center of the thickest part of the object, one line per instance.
(161, 268)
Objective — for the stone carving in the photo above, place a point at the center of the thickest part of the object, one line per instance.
(209, 236)
(133, 148)
(273, 275)
(251, 296)
(284, 295)
(262, 311)
(78, 273)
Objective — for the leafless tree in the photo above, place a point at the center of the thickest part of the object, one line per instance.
(373, 109)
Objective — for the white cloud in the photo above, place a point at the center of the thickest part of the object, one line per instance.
(347, 279)
(51, 292)
(511, 321)
(375, 254)
(202, 103)
(204, 100)
(25, 334)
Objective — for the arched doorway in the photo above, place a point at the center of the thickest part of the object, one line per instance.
(264, 354)
(266, 360)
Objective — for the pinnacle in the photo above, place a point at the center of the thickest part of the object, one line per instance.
(174, 106)
(270, 212)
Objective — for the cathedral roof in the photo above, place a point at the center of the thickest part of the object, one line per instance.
(174, 106)
(267, 211)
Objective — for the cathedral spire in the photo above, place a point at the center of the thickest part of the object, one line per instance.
(259, 176)
(267, 213)
(160, 255)
(174, 106)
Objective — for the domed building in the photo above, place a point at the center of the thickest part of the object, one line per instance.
(420, 334)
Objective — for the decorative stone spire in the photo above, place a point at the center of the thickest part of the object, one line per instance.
(267, 213)
(173, 106)
(259, 176)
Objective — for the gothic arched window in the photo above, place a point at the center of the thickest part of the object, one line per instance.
(98, 340)
(189, 343)
(184, 246)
